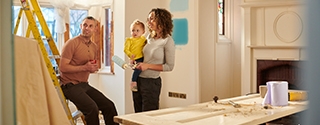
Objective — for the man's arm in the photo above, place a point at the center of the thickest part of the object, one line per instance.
(66, 67)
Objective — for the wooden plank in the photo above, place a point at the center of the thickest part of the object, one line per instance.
(250, 112)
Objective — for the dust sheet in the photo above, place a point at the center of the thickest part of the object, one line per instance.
(37, 102)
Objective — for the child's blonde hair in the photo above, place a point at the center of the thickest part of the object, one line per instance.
(137, 22)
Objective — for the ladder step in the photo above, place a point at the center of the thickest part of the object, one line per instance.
(76, 114)
(43, 38)
(54, 56)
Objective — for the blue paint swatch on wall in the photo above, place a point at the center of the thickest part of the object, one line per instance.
(179, 5)
(180, 31)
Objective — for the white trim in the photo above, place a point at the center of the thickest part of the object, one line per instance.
(223, 39)
(105, 70)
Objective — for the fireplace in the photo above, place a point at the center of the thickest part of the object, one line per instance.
(279, 70)
(272, 51)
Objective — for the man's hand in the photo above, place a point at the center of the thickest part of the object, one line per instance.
(93, 61)
(91, 66)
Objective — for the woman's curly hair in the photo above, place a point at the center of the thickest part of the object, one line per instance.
(164, 21)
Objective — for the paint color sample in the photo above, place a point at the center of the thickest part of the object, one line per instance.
(180, 31)
(179, 5)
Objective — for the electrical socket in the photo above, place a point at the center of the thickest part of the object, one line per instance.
(178, 95)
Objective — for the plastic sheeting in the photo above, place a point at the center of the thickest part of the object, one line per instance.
(62, 7)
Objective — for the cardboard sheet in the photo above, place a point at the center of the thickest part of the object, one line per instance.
(37, 102)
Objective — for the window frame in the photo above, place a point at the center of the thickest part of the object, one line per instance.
(228, 12)
(109, 70)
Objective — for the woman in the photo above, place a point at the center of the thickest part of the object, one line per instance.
(159, 56)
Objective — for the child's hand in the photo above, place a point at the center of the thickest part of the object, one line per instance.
(132, 61)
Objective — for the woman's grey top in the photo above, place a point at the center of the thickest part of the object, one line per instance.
(159, 51)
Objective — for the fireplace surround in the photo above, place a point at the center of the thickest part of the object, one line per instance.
(273, 32)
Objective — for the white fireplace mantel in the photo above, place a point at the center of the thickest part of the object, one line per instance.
(271, 31)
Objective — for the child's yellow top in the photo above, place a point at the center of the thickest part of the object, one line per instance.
(134, 46)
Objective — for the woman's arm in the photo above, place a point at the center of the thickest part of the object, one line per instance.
(145, 66)
(169, 51)
(169, 57)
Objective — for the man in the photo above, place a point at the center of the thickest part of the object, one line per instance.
(78, 60)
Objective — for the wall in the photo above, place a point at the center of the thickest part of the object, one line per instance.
(236, 22)
(207, 38)
(219, 55)
(185, 76)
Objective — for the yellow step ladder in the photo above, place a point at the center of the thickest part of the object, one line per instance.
(29, 13)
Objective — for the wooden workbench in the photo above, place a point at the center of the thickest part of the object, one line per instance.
(209, 113)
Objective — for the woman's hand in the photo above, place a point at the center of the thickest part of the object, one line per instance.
(142, 66)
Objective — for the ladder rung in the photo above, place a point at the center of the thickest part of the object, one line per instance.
(54, 56)
(44, 38)
(76, 114)
(24, 8)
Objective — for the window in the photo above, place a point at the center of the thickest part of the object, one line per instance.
(16, 10)
(108, 25)
(107, 45)
(76, 17)
(221, 17)
(225, 17)
(48, 15)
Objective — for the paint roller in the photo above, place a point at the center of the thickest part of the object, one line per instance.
(120, 62)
